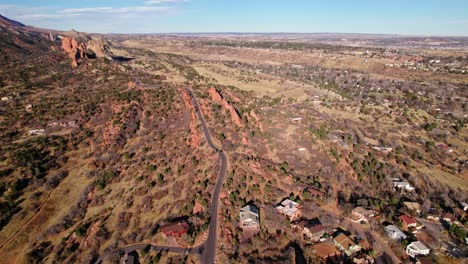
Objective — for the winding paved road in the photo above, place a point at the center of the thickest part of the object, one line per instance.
(207, 250)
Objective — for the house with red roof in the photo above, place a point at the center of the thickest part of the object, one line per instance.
(176, 229)
(408, 222)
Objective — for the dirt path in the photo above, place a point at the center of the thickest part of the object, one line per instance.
(13, 236)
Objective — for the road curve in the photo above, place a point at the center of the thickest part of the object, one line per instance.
(207, 249)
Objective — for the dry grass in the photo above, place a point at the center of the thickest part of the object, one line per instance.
(55, 208)
(451, 180)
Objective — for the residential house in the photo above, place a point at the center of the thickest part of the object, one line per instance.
(455, 253)
(289, 208)
(36, 132)
(449, 217)
(312, 229)
(408, 222)
(249, 216)
(417, 248)
(402, 184)
(433, 217)
(363, 259)
(346, 244)
(64, 124)
(460, 214)
(383, 149)
(413, 206)
(176, 229)
(325, 250)
(395, 233)
(130, 258)
(361, 214)
(464, 206)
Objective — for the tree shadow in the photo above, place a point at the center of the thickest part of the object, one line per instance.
(122, 59)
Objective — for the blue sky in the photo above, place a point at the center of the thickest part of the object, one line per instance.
(410, 17)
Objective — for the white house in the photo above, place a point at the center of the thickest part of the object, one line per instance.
(402, 184)
(249, 216)
(417, 248)
(395, 233)
(36, 132)
(297, 119)
(464, 206)
(290, 209)
(361, 214)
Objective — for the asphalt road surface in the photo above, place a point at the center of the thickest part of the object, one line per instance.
(207, 250)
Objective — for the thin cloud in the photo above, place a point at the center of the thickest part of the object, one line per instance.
(102, 19)
(85, 10)
(44, 16)
(111, 10)
(158, 2)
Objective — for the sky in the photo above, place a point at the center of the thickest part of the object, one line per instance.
(407, 17)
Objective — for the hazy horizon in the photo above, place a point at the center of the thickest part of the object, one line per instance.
(417, 18)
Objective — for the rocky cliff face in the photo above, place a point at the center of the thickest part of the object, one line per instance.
(94, 48)
(195, 136)
(75, 51)
(100, 48)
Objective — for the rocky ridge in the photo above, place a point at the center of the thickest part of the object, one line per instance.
(218, 98)
(77, 51)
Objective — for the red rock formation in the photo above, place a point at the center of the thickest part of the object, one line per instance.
(198, 207)
(216, 96)
(233, 97)
(90, 238)
(131, 85)
(257, 119)
(235, 116)
(245, 140)
(75, 51)
(195, 137)
(254, 115)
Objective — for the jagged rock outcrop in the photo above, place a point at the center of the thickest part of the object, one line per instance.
(195, 137)
(76, 52)
(94, 48)
(218, 98)
(52, 37)
(215, 95)
(100, 48)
